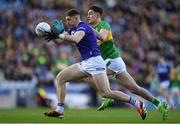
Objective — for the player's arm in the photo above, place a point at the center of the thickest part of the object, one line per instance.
(102, 34)
(59, 40)
(59, 27)
(72, 38)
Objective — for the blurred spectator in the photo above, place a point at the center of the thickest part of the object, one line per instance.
(175, 84)
(163, 70)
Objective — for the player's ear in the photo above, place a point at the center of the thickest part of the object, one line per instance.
(98, 15)
(75, 18)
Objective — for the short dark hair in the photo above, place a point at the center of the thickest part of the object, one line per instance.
(97, 9)
(72, 12)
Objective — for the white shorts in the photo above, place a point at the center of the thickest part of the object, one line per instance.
(93, 65)
(117, 65)
(165, 84)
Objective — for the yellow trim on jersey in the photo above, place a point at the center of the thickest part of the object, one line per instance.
(109, 37)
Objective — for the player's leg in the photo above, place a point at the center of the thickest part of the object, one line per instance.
(72, 72)
(124, 78)
(113, 66)
(90, 81)
(105, 101)
(163, 91)
(128, 82)
(95, 66)
(103, 87)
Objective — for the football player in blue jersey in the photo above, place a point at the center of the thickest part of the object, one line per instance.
(92, 64)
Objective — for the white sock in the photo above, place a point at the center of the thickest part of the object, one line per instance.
(137, 104)
(134, 102)
(60, 107)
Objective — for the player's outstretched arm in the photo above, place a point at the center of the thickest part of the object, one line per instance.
(102, 34)
(59, 33)
(72, 38)
(64, 37)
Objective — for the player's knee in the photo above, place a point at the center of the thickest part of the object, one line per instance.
(105, 93)
(59, 79)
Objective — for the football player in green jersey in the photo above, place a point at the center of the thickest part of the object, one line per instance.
(115, 64)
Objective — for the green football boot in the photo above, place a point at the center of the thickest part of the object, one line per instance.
(106, 102)
(163, 108)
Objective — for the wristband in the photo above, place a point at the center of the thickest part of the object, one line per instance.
(61, 36)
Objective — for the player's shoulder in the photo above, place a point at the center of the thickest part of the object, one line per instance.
(84, 26)
(104, 23)
(82, 23)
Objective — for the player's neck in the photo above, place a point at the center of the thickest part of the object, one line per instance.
(78, 22)
(97, 22)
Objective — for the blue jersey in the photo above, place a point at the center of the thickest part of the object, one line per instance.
(163, 71)
(88, 44)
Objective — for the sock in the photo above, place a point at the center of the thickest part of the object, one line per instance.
(134, 102)
(60, 107)
(156, 102)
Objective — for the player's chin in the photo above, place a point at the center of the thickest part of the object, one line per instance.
(89, 21)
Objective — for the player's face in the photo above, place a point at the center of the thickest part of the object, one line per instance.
(71, 21)
(92, 17)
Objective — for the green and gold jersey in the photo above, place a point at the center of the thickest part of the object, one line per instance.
(107, 47)
(175, 82)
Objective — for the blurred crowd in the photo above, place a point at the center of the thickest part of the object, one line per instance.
(144, 31)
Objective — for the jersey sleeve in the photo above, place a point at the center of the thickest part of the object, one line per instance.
(105, 25)
(81, 27)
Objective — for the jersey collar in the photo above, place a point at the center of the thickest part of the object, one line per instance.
(96, 25)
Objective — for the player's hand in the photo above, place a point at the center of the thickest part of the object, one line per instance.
(50, 35)
(58, 26)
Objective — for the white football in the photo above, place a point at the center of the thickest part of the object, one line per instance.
(41, 27)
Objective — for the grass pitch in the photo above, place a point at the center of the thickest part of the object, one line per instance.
(114, 115)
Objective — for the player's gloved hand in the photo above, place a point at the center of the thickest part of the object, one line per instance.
(50, 35)
(58, 26)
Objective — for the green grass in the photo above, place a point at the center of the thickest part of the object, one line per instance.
(115, 115)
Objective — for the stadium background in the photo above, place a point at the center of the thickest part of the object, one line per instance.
(143, 30)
